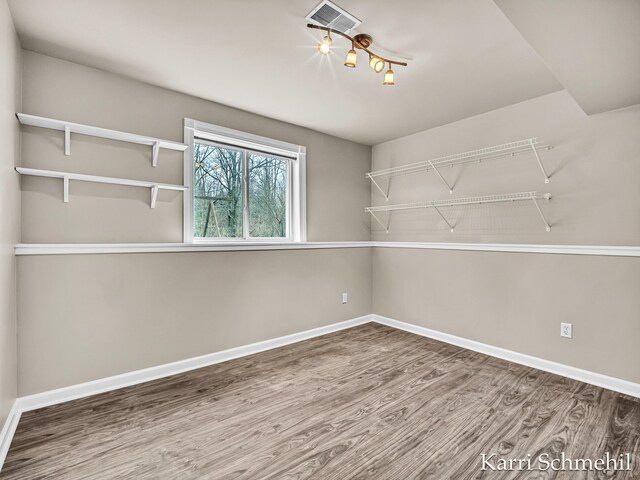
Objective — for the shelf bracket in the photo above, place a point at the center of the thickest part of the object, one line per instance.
(156, 151)
(384, 194)
(535, 202)
(154, 195)
(441, 177)
(535, 152)
(386, 227)
(65, 195)
(67, 140)
(443, 217)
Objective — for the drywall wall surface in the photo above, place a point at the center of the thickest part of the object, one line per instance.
(593, 167)
(337, 190)
(90, 316)
(511, 300)
(517, 301)
(9, 205)
(84, 317)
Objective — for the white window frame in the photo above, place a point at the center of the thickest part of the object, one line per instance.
(296, 180)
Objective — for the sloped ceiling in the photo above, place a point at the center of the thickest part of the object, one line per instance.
(591, 46)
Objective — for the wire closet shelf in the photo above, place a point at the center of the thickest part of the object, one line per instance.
(507, 149)
(437, 204)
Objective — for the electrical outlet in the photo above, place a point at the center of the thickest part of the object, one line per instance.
(345, 298)
(566, 330)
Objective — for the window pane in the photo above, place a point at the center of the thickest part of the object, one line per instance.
(217, 191)
(267, 196)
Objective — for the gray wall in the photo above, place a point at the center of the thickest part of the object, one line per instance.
(517, 301)
(594, 171)
(9, 205)
(512, 300)
(337, 190)
(90, 316)
(84, 317)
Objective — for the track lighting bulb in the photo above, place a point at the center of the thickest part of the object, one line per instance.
(376, 63)
(388, 77)
(351, 58)
(325, 46)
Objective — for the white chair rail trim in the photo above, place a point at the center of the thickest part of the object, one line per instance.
(93, 248)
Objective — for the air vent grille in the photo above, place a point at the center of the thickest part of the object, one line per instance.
(328, 14)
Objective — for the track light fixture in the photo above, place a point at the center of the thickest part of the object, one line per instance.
(376, 63)
(352, 57)
(361, 41)
(388, 77)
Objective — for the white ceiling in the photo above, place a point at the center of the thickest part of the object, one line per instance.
(465, 57)
(591, 46)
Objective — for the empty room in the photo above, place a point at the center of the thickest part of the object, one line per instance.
(312, 239)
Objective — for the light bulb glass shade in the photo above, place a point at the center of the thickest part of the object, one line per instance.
(351, 59)
(376, 63)
(325, 46)
(388, 78)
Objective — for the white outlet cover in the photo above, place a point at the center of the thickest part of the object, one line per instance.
(566, 330)
(345, 298)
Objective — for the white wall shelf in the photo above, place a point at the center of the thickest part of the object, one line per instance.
(507, 149)
(68, 128)
(437, 204)
(67, 177)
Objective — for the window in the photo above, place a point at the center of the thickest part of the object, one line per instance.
(243, 187)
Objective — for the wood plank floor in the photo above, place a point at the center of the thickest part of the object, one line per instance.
(370, 402)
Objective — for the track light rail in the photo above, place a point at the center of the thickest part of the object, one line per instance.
(357, 44)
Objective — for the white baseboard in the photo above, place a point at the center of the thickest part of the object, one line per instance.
(53, 397)
(60, 395)
(9, 428)
(604, 381)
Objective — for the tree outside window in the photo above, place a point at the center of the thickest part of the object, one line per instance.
(220, 176)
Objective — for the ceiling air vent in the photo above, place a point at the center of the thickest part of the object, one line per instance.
(328, 14)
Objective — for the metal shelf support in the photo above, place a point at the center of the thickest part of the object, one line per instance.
(443, 218)
(67, 140)
(65, 186)
(154, 195)
(441, 177)
(154, 154)
(386, 227)
(535, 202)
(535, 152)
(384, 194)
